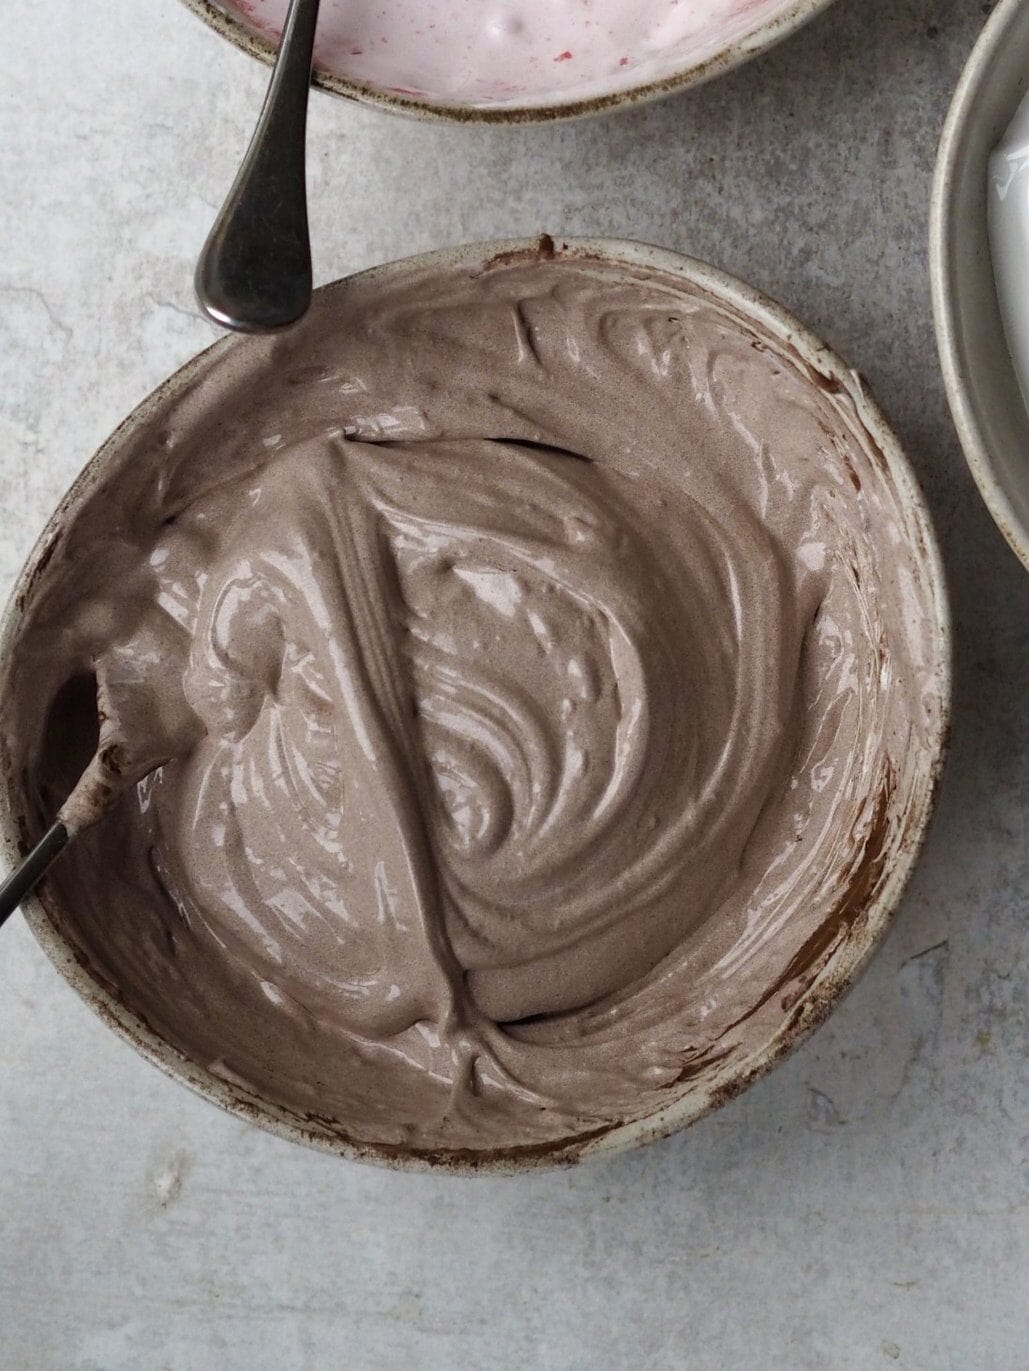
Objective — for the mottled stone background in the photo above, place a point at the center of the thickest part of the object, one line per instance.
(863, 1207)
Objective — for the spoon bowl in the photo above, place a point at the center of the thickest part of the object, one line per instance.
(254, 273)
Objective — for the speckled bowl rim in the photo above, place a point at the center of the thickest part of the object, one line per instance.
(944, 270)
(812, 1008)
(760, 39)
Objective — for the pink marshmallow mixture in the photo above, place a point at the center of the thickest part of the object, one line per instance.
(521, 52)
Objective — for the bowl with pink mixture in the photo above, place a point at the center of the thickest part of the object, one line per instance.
(516, 61)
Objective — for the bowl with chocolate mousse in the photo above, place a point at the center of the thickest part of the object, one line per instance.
(523, 62)
(566, 654)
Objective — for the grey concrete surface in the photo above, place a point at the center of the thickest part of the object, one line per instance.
(866, 1205)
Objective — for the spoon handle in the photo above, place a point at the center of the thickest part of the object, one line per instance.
(254, 274)
(32, 870)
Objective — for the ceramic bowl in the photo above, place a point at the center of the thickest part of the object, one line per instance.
(985, 400)
(752, 27)
(870, 900)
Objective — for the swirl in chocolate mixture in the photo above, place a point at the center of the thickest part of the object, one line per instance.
(556, 648)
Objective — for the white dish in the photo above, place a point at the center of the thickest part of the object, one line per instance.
(985, 399)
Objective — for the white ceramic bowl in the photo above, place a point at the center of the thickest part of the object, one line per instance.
(243, 22)
(871, 901)
(985, 400)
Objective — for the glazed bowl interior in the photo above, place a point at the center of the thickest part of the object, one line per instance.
(871, 877)
(447, 61)
(986, 402)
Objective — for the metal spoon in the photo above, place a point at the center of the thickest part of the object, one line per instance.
(125, 729)
(254, 274)
(97, 791)
(23, 880)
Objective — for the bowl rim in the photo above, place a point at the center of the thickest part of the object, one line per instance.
(944, 271)
(762, 38)
(818, 999)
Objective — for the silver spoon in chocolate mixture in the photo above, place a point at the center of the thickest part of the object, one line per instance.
(126, 730)
(24, 879)
(254, 273)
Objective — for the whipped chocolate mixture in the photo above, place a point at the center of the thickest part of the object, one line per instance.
(534, 660)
